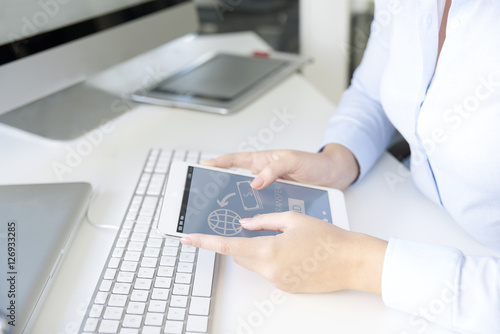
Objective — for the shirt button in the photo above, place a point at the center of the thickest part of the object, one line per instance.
(428, 22)
(455, 23)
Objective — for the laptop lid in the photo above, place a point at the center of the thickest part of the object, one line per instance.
(36, 225)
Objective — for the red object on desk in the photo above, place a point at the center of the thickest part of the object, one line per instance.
(261, 54)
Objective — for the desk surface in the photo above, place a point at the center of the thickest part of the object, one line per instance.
(245, 302)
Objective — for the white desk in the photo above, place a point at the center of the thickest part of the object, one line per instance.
(113, 165)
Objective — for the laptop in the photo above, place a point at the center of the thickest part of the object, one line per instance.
(37, 222)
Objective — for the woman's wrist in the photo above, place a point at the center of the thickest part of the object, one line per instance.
(368, 264)
(344, 165)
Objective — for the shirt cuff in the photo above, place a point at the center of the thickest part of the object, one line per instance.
(347, 134)
(422, 280)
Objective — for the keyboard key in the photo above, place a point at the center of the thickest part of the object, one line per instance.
(132, 256)
(125, 232)
(117, 300)
(132, 321)
(136, 200)
(181, 289)
(110, 274)
(173, 327)
(202, 285)
(170, 251)
(114, 262)
(199, 306)
(129, 223)
(134, 207)
(183, 278)
(188, 249)
(136, 308)
(118, 252)
(147, 212)
(163, 282)
(121, 288)
(154, 233)
(128, 266)
(144, 220)
(157, 179)
(150, 202)
(172, 242)
(192, 157)
(96, 311)
(161, 167)
(105, 285)
(186, 257)
(109, 326)
(101, 297)
(135, 246)
(152, 252)
(154, 319)
(175, 313)
(141, 190)
(185, 267)
(125, 277)
(157, 306)
(168, 261)
(122, 242)
(151, 330)
(154, 242)
(160, 294)
(91, 325)
(139, 295)
(143, 283)
(138, 236)
(179, 155)
(165, 271)
(145, 272)
(154, 190)
(196, 323)
(129, 331)
(131, 215)
(113, 313)
(149, 262)
(178, 301)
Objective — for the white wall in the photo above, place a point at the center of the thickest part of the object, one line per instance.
(324, 35)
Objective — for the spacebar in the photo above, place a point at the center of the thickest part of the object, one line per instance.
(204, 273)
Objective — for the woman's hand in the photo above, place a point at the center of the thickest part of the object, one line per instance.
(310, 256)
(334, 167)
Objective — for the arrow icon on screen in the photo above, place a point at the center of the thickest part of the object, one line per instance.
(224, 202)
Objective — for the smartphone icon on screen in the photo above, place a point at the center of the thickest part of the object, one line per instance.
(250, 197)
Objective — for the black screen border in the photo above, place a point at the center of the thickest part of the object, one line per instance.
(31, 45)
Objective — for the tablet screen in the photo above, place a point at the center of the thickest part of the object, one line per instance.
(223, 77)
(214, 202)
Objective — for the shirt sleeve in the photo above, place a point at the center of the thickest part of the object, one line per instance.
(441, 285)
(360, 123)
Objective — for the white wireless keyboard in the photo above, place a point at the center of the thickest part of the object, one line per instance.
(152, 284)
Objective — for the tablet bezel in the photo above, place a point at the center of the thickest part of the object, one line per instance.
(175, 189)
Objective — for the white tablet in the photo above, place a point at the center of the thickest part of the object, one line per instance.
(201, 199)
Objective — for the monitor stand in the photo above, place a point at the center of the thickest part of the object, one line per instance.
(68, 114)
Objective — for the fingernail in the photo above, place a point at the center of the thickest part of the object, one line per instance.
(245, 221)
(186, 241)
(257, 182)
(207, 162)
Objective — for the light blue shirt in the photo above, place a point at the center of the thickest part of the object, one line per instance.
(451, 119)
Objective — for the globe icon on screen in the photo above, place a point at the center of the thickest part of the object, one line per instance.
(224, 222)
